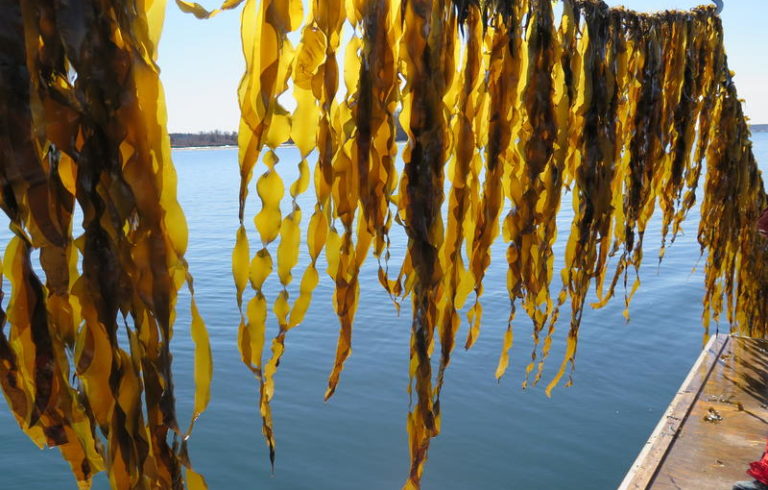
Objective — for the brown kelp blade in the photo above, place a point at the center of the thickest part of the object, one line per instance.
(86, 119)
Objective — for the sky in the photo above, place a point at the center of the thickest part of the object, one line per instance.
(202, 62)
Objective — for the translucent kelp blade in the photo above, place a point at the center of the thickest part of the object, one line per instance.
(428, 62)
(89, 125)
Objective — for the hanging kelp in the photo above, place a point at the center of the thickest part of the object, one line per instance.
(504, 104)
(501, 103)
(82, 120)
(733, 199)
(427, 53)
(463, 173)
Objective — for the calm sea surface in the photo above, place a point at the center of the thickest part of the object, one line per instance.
(494, 436)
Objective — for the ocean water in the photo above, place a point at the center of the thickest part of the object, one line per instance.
(494, 435)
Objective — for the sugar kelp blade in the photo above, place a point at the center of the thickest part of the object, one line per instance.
(537, 180)
(269, 59)
(108, 127)
(35, 368)
(502, 88)
(427, 52)
(458, 280)
(201, 12)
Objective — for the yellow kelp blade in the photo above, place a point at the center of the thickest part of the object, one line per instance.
(107, 128)
(201, 12)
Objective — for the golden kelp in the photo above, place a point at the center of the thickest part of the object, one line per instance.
(502, 104)
(82, 122)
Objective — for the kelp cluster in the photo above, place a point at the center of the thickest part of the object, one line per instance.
(512, 107)
(82, 124)
(507, 107)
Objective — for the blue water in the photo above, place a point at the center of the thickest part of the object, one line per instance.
(494, 436)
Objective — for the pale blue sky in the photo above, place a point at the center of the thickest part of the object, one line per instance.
(202, 63)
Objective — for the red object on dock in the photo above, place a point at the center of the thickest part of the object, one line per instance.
(759, 469)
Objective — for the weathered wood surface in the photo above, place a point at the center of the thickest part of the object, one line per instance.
(729, 380)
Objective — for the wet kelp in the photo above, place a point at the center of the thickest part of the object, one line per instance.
(504, 102)
(507, 109)
(82, 123)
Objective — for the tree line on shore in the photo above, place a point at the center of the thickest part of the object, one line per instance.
(204, 138)
(229, 138)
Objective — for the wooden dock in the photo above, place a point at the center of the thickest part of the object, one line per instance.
(716, 424)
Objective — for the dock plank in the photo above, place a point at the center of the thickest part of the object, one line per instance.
(688, 449)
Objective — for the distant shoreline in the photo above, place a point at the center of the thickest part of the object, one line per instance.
(210, 139)
(225, 141)
(222, 147)
(205, 147)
